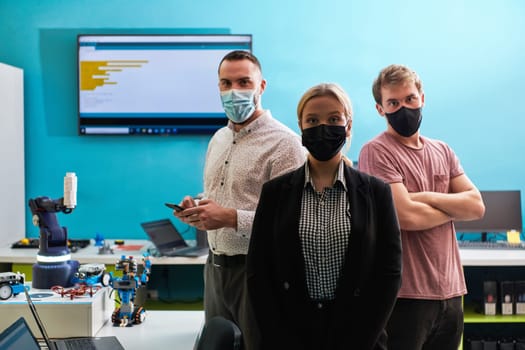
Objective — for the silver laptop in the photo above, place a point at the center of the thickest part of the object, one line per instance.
(80, 343)
(169, 242)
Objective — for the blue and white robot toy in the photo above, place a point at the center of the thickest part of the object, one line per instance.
(126, 286)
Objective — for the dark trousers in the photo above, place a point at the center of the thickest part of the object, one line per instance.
(226, 295)
(318, 331)
(425, 324)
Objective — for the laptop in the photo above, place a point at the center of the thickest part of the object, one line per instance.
(18, 336)
(80, 343)
(169, 242)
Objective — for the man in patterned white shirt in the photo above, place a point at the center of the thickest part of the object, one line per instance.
(252, 149)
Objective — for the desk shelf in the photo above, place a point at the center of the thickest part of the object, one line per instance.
(470, 316)
(499, 266)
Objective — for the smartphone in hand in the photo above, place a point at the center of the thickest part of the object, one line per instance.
(174, 206)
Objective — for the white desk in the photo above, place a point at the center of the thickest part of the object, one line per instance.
(469, 257)
(90, 254)
(80, 317)
(492, 257)
(175, 330)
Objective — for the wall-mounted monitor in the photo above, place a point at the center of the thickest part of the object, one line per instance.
(152, 84)
(502, 214)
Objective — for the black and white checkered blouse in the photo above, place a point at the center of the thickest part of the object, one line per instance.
(324, 230)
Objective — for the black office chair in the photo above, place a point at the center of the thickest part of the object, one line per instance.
(219, 334)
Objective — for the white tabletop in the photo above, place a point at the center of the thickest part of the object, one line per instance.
(90, 254)
(469, 257)
(492, 257)
(175, 330)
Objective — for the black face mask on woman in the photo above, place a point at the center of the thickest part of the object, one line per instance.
(405, 121)
(324, 141)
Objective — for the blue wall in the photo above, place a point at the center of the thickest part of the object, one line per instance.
(469, 54)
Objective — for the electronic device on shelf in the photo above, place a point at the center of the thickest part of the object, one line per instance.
(147, 84)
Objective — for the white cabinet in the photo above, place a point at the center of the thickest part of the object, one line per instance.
(12, 190)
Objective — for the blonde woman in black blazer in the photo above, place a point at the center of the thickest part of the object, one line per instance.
(324, 263)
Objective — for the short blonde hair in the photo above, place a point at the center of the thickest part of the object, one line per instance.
(326, 89)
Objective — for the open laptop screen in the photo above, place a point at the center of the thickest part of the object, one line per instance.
(164, 235)
(18, 336)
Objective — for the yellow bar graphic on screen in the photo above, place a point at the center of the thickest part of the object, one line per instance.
(95, 73)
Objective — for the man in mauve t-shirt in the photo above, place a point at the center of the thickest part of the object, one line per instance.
(431, 191)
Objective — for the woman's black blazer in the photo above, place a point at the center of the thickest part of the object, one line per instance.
(369, 281)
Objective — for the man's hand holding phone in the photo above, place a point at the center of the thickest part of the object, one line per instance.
(182, 212)
(187, 202)
(204, 214)
(175, 207)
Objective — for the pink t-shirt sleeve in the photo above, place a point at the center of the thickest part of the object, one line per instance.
(375, 161)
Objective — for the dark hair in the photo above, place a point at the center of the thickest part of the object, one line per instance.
(239, 55)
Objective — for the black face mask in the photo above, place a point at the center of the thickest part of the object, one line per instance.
(324, 141)
(405, 121)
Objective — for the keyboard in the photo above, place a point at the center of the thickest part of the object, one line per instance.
(465, 244)
(75, 344)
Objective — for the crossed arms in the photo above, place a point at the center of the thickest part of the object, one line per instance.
(424, 210)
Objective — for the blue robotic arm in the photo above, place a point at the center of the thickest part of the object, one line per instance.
(53, 237)
(53, 266)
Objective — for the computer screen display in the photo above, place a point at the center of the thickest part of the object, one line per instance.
(152, 84)
(502, 214)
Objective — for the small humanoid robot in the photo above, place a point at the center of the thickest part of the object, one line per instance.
(126, 286)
